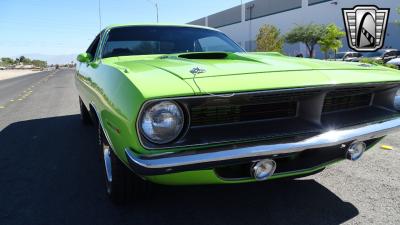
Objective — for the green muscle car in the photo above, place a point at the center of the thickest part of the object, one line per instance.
(186, 105)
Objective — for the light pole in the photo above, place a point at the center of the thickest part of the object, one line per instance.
(250, 7)
(157, 10)
(155, 5)
(100, 15)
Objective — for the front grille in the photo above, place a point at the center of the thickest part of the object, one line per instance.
(270, 115)
(211, 115)
(283, 97)
(347, 98)
(277, 105)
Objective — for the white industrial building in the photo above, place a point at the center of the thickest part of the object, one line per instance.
(243, 22)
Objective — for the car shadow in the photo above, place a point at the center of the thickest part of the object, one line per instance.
(50, 173)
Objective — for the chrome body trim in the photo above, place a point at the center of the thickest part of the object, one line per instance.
(175, 162)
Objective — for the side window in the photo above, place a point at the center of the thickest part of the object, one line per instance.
(93, 47)
(389, 55)
(393, 53)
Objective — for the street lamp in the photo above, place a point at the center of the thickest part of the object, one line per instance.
(155, 5)
(100, 15)
(250, 8)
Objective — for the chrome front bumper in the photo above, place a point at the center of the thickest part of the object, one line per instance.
(177, 162)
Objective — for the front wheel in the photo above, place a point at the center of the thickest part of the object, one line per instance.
(122, 184)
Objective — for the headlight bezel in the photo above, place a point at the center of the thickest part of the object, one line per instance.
(396, 101)
(147, 141)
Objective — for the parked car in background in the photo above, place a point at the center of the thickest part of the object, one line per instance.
(186, 105)
(2, 68)
(347, 56)
(395, 62)
(384, 54)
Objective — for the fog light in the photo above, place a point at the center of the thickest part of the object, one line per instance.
(263, 169)
(356, 150)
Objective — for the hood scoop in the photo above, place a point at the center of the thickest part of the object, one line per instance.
(204, 55)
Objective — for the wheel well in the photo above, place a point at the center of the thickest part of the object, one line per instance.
(93, 115)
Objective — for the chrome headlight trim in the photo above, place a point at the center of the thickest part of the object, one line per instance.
(146, 113)
(396, 100)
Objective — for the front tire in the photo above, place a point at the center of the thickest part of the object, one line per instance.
(122, 185)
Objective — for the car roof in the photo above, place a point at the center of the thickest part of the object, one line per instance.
(389, 50)
(157, 24)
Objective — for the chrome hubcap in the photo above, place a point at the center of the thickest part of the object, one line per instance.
(107, 164)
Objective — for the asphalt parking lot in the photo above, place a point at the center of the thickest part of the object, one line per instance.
(50, 174)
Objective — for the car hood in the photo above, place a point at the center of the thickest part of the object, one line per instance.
(182, 65)
(227, 72)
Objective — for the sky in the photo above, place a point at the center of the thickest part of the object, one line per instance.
(56, 27)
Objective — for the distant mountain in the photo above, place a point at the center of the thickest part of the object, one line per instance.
(52, 59)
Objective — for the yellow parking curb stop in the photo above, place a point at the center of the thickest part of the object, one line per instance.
(386, 147)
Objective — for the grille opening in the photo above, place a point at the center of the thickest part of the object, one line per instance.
(347, 99)
(338, 103)
(258, 107)
(211, 115)
(356, 116)
(283, 97)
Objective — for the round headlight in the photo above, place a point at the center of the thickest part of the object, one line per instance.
(162, 122)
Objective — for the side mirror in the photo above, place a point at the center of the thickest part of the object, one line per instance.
(84, 57)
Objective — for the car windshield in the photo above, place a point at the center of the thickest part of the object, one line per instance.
(340, 55)
(373, 54)
(146, 40)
